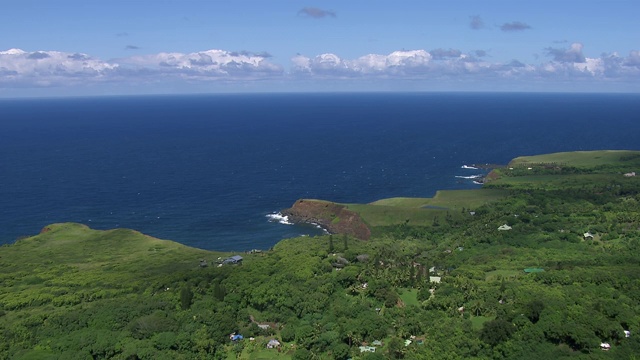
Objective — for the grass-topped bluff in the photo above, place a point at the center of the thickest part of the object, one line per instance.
(578, 169)
(440, 277)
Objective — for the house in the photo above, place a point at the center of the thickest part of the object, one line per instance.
(435, 279)
(367, 349)
(236, 259)
(627, 333)
(588, 235)
(264, 326)
(236, 337)
(504, 227)
(605, 346)
(273, 343)
(377, 342)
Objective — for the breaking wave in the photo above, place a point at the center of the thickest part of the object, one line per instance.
(468, 167)
(470, 176)
(278, 217)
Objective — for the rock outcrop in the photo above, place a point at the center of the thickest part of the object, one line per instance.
(335, 218)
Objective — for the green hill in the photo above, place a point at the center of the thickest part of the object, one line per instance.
(558, 280)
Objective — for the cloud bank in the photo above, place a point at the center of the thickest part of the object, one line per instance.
(37, 69)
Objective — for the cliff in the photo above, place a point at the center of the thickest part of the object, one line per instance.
(335, 218)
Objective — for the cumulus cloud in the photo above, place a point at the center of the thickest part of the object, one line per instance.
(397, 63)
(514, 26)
(45, 68)
(20, 68)
(475, 22)
(204, 64)
(54, 68)
(316, 13)
(571, 55)
(38, 55)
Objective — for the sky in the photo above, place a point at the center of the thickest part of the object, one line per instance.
(117, 47)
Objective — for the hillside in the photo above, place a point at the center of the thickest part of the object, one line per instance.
(542, 262)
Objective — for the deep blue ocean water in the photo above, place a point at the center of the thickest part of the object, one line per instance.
(207, 170)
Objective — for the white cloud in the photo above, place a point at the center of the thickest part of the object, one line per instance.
(34, 69)
(204, 64)
(46, 68)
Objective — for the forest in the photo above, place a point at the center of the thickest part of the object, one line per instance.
(548, 270)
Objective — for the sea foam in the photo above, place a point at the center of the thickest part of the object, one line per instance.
(468, 167)
(470, 176)
(278, 217)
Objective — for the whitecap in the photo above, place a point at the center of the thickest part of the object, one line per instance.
(468, 167)
(278, 217)
(470, 176)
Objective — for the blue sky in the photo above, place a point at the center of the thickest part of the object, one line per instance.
(136, 47)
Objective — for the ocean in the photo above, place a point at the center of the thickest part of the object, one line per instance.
(210, 171)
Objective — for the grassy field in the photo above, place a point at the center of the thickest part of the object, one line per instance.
(74, 263)
(581, 158)
(380, 215)
(422, 211)
(478, 321)
(409, 297)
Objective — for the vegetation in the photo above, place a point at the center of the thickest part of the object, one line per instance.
(455, 288)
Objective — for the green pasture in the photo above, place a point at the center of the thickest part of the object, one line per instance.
(469, 199)
(449, 199)
(383, 215)
(582, 158)
(422, 211)
(403, 202)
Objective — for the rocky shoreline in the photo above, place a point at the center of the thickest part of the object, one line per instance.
(333, 217)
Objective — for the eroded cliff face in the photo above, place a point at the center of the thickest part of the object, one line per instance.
(336, 218)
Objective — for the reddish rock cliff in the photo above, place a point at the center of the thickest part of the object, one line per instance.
(336, 218)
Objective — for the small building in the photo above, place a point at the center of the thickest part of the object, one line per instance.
(236, 337)
(377, 343)
(630, 174)
(407, 342)
(236, 259)
(588, 236)
(605, 346)
(504, 227)
(264, 326)
(435, 279)
(273, 343)
(367, 349)
(627, 333)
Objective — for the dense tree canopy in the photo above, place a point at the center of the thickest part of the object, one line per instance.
(447, 289)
